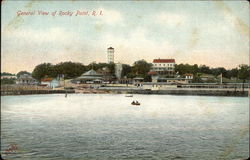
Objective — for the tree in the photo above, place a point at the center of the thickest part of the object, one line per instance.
(194, 69)
(95, 66)
(219, 70)
(22, 72)
(204, 69)
(186, 68)
(244, 72)
(126, 69)
(111, 67)
(141, 68)
(69, 69)
(197, 78)
(233, 72)
(43, 70)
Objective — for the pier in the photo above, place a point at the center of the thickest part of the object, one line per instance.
(146, 88)
(31, 89)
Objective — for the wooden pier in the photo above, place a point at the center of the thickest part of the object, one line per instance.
(31, 89)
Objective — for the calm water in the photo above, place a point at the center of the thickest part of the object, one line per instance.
(107, 127)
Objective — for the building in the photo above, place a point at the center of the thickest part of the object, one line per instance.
(137, 81)
(189, 77)
(90, 77)
(118, 70)
(110, 54)
(104, 71)
(163, 66)
(51, 82)
(26, 79)
(174, 80)
(177, 80)
(154, 76)
(107, 77)
(8, 77)
(125, 80)
(207, 78)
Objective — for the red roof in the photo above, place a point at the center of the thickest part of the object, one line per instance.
(47, 79)
(152, 73)
(188, 74)
(164, 61)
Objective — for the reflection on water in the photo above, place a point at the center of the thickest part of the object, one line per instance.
(108, 127)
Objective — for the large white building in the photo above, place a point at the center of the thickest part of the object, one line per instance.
(110, 54)
(164, 66)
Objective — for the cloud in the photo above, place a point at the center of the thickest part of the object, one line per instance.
(28, 47)
(217, 58)
(110, 17)
(170, 19)
(52, 35)
(232, 19)
(138, 46)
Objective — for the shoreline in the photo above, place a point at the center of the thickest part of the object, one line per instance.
(201, 92)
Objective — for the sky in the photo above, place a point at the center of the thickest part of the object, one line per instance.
(213, 33)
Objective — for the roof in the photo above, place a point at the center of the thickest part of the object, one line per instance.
(25, 76)
(188, 74)
(110, 48)
(152, 72)
(87, 78)
(91, 73)
(164, 61)
(47, 79)
(138, 78)
(207, 76)
(171, 78)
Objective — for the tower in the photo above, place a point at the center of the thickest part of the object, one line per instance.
(110, 53)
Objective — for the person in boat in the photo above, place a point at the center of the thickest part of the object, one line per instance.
(133, 102)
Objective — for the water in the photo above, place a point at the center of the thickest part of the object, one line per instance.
(89, 126)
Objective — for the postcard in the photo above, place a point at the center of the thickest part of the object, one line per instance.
(139, 79)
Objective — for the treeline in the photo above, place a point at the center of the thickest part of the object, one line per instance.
(72, 70)
(67, 69)
(241, 72)
(18, 74)
(7, 74)
(140, 68)
(11, 80)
